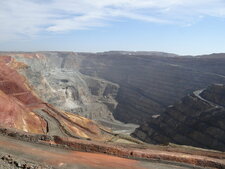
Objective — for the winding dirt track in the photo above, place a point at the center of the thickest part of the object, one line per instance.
(197, 93)
(53, 125)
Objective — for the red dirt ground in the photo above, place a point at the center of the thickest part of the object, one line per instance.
(59, 157)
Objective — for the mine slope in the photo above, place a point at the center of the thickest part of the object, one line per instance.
(128, 86)
(197, 120)
(70, 90)
(57, 111)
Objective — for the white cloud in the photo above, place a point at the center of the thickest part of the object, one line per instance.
(21, 18)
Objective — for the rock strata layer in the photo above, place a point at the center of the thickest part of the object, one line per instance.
(197, 120)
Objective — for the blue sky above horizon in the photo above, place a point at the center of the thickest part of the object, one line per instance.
(175, 26)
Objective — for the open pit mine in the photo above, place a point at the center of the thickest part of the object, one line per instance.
(118, 110)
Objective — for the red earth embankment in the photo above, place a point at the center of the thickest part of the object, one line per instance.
(15, 96)
(194, 157)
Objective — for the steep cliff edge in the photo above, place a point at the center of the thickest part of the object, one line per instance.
(196, 120)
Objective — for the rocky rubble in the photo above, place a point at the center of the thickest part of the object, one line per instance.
(11, 162)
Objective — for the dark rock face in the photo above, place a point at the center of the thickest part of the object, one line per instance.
(149, 82)
(193, 121)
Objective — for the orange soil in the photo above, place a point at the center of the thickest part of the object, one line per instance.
(58, 158)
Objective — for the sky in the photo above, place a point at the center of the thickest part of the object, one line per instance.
(176, 26)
